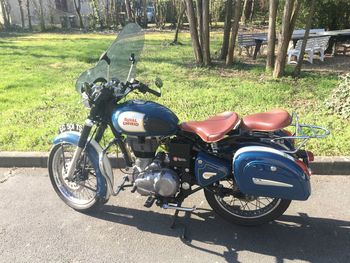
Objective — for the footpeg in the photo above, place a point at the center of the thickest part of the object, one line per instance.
(179, 208)
(149, 202)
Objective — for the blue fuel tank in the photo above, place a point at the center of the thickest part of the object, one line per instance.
(144, 118)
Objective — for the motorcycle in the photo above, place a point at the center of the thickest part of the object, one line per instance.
(250, 168)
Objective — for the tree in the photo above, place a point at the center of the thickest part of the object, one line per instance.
(290, 13)
(20, 4)
(271, 36)
(200, 20)
(77, 6)
(206, 33)
(144, 7)
(179, 22)
(96, 13)
(194, 32)
(39, 8)
(6, 9)
(234, 31)
(29, 16)
(247, 9)
(128, 10)
(227, 29)
(297, 68)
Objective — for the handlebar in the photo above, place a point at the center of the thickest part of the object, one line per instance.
(144, 89)
(115, 89)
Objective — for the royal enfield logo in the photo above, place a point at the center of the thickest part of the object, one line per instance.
(131, 121)
(128, 121)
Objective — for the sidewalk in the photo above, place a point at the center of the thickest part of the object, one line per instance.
(322, 165)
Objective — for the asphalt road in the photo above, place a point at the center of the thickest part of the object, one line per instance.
(36, 226)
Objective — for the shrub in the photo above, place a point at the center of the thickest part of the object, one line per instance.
(339, 101)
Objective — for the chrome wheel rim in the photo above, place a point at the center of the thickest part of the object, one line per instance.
(81, 193)
(248, 207)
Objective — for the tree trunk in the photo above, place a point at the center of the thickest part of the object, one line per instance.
(115, 13)
(294, 17)
(234, 31)
(145, 20)
(5, 16)
(21, 12)
(194, 33)
(297, 68)
(29, 16)
(200, 20)
(179, 23)
(247, 9)
(128, 10)
(283, 40)
(206, 33)
(42, 16)
(271, 36)
(77, 5)
(227, 29)
(252, 8)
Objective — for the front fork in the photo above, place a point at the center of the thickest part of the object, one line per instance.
(81, 145)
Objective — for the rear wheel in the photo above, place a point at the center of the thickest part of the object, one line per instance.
(241, 209)
(81, 192)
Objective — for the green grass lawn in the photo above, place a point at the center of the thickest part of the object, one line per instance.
(38, 74)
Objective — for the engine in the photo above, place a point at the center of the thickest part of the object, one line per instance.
(151, 176)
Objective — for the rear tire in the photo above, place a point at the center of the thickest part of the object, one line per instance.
(80, 194)
(236, 213)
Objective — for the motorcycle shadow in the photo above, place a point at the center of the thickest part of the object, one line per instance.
(291, 237)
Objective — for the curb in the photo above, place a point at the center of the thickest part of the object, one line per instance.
(339, 165)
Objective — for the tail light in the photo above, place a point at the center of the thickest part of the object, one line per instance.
(304, 167)
(310, 156)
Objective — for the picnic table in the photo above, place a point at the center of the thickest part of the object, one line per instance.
(297, 34)
(256, 40)
(336, 36)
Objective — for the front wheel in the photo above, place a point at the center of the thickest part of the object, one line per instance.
(242, 209)
(81, 192)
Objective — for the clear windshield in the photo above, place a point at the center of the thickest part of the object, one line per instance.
(130, 40)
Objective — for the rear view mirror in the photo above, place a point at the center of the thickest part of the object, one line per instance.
(158, 82)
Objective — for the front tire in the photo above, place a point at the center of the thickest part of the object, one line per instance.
(80, 194)
(246, 210)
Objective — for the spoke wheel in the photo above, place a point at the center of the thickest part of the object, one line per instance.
(79, 193)
(243, 209)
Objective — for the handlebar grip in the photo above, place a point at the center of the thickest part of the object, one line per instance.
(154, 92)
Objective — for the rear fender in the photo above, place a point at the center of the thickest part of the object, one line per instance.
(94, 150)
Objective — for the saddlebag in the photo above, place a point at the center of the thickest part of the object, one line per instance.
(263, 171)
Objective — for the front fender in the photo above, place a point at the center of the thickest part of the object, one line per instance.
(93, 150)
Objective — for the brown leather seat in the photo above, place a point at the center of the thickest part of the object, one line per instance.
(267, 121)
(214, 128)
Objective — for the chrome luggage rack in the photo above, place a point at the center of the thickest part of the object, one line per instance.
(303, 132)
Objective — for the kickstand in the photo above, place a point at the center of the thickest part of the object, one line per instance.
(175, 223)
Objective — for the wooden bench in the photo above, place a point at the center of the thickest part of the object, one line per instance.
(248, 41)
